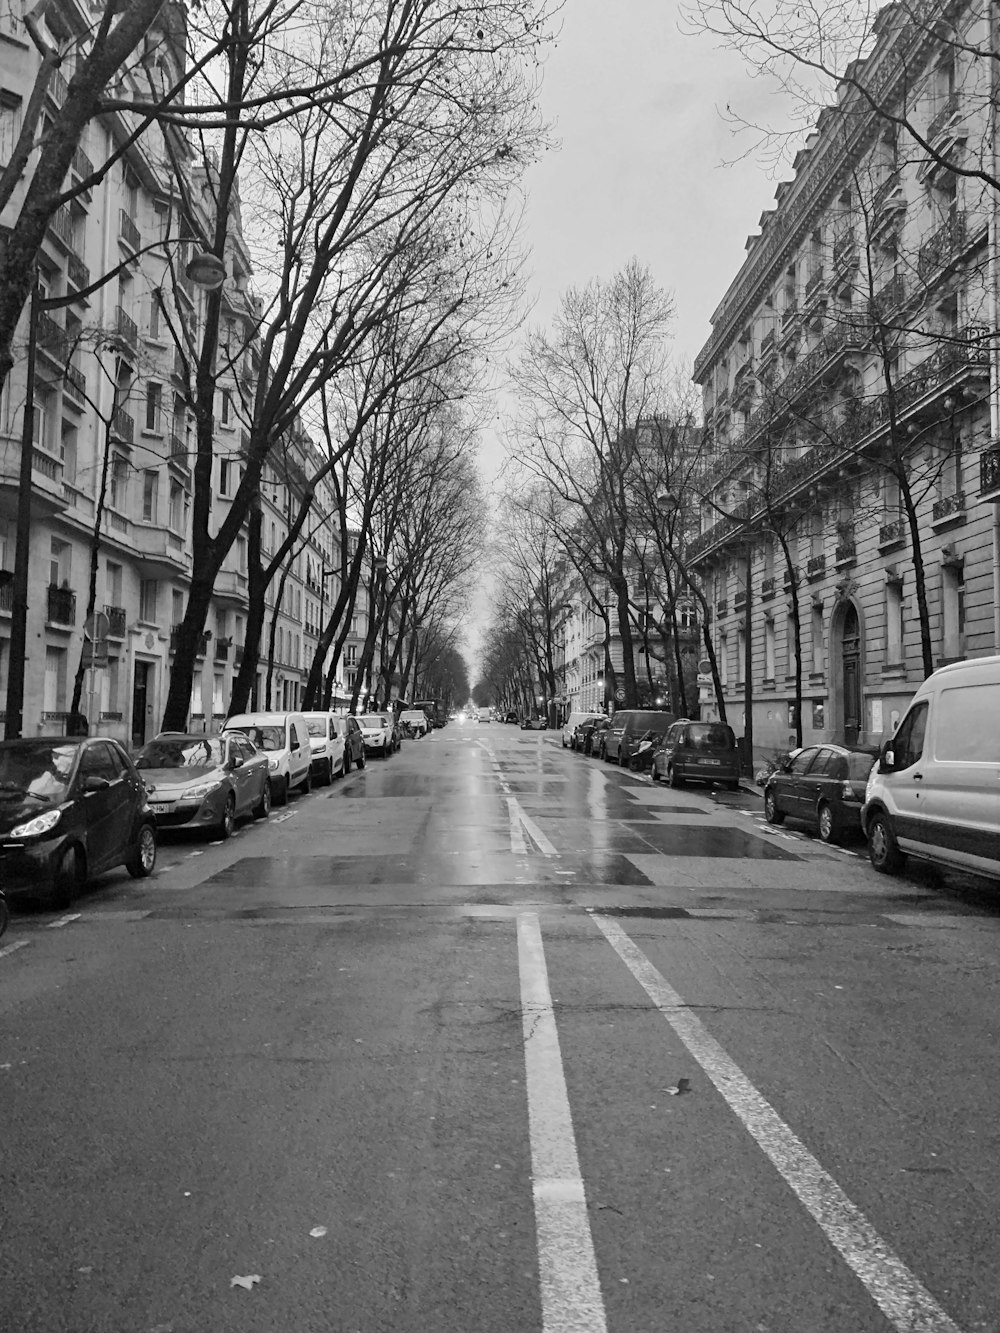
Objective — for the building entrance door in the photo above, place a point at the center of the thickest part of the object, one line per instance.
(140, 701)
(851, 675)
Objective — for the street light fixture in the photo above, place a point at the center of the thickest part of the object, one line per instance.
(206, 271)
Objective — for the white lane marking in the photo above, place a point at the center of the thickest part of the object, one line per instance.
(13, 948)
(280, 819)
(64, 920)
(900, 1295)
(567, 1266)
(534, 832)
(517, 844)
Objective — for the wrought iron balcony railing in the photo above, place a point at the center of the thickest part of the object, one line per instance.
(891, 532)
(947, 112)
(123, 426)
(845, 552)
(128, 231)
(943, 247)
(61, 606)
(79, 273)
(126, 327)
(989, 471)
(117, 621)
(948, 505)
(767, 587)
(815, 566)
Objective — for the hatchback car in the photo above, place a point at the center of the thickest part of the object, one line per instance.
(698, 752)
(327, 746)
(822, 784)
(70, 808)
(377, 731)
(354, 742)
(205, 781)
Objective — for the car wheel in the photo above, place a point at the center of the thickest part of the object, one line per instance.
(228, 821)
(328, 773)
(771, 812)
(653, 774)
(305, 786)
(674, 778)
(883, 851)
(828, 831)
(67, 880)
(362, 759)
(345, 763)
(733, 786)
(279, 791)
(142, 861)
(263, 807)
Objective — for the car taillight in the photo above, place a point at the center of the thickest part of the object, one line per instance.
(847, 791)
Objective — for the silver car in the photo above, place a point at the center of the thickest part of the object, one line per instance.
(204, 780)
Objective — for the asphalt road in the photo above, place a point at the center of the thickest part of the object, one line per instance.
(492, 1036)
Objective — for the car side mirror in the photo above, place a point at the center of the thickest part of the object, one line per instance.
(95, 783)
(236, 761)
(887, 758)
(786, 766)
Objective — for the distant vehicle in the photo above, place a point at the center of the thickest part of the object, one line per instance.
(416, 720)
(511, 716)
(535, 724)
(205, 781)
(70, 808)
(485, 715)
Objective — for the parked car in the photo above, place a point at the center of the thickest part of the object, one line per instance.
(510, 716)
(698, 752)
(285, 740)
(204, 780)
(416, 720)
(534, 724)
(643, 723)
(327, 746)
(70, 808)
(630, 724)
(572, 724)
(595, 735)
(823, 785)
(354, 742)
(935, 791)
(377, 731)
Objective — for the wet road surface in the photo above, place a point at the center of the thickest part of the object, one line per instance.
(492, 1036)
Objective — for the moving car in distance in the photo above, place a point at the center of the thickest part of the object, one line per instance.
(70, 808)
(204, 781)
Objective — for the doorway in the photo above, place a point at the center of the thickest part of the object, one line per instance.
(850, 669)
(141, 702)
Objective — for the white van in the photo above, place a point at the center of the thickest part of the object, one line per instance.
(284, 738)
(935, 790)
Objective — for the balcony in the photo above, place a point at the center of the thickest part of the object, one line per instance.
(943, 248)
(123, 427)
(891, 533)
(178, 456)
(740, 600)
(75, 383)
(126, 328)
(889, 297)
(117, 621)
(221, 650)
(49, 335)
(789, 316)
(57, 88)
(128, 231)
(989, 472)
(79, 273)
(175, 634)
(61, 226)
(815, 566)
(768, 346)
(159, 551)
(846, 552)
(7, 591)
(789, 578)
(949, 508)
(60, 607)
(48, 495)
(845, 250)
(231, 586)
(815, 284)
(721, 606)
(82, 164)
(942, 122)
(768, 587)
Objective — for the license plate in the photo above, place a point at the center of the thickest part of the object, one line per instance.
(714, 762)
(159, 808)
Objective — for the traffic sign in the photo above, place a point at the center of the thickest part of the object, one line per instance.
(96, 654)
(704, 667)
(619, 696)
(96, 626)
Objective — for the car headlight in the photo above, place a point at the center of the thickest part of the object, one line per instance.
(34, 828)
(200, 792)
(272, 764)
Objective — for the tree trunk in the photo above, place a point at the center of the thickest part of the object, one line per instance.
(244, 683)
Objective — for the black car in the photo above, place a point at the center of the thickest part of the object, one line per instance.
(70, 808)
(582, 736)
(822, 784)
(595, 742)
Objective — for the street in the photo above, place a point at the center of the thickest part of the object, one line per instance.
(493, 1036)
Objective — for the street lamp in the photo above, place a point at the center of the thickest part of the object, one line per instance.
(206, 271)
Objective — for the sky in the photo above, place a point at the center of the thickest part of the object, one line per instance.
(640, 169)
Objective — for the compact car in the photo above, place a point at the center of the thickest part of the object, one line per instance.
(70, 808)
(377, 731)
(698, 752)
(823, 785)
(354, 742)
(205, 781)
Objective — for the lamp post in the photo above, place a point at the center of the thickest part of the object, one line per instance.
(205, 271)
(379, 567)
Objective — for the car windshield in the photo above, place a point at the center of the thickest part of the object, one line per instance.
(41, 771)
(372, 720)
(265, 738)
(710, 736)
(316, 726)
(181, 752)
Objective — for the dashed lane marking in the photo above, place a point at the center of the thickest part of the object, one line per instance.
(567, 1266)
(13, 948)
(898, 1293)
(64, 920)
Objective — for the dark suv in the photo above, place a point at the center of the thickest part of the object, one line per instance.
(698, 752)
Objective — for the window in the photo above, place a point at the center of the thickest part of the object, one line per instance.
(10, 123)
(953, 609)
(118, 485)
(67, 451)
(241, 554)
(908, 742)
(177, 508)
(817, 640)
(769, 649)
(59, 562)
(893, 622)
(147, 601)
(54, 693)
(176, 607)
(43, 419)
(154, 405)
(741, 652)
(226, 414)
(959, 732)
(155, 313)
(113, 584)
(803, 760)
(724, 660)
(150, 489)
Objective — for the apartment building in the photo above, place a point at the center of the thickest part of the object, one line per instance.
(850, 389)
(113, 443)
